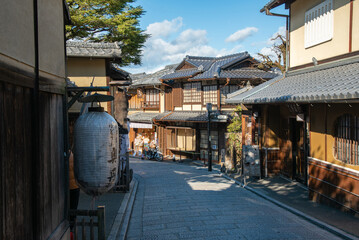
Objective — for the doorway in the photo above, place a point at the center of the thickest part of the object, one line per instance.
(299, 166)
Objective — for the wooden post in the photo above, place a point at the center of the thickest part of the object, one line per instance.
(92, 235)
(83, 229)
(101, 222)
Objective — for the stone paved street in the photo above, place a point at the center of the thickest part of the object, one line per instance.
(177, 201)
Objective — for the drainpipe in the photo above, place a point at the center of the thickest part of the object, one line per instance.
(267, 11)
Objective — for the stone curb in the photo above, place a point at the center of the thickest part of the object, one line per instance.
(120, 225)
(306, 217)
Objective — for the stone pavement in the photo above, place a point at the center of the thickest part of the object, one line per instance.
(176, 201)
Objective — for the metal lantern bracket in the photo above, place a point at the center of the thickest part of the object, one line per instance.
(80, 90)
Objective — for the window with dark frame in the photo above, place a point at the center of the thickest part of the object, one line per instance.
(225, 90)
(210, 94)
(192, 92)
(346, 139)
(152, 98)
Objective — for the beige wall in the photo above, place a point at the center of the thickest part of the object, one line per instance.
(83, 71)
(340, 41)
(17, 32)
(162, 100)
(51, 37)
(17, 36)
(355, 40)
(321, 141)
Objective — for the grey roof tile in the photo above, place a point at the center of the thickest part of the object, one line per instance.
(142, 117)
(189, 116)
(143, 79)
(216, 67)
(91, 49)
(323, 83)
(180, 74)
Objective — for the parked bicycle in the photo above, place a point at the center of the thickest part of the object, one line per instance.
(153, 154)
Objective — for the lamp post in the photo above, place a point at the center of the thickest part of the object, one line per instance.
(209, 110)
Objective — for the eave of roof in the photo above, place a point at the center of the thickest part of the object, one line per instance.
(142, 117)
(333, 82)
(93, 50)
(272, 4)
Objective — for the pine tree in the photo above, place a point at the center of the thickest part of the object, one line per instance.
(108, 21)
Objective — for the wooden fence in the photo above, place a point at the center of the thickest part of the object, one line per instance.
(79, 226)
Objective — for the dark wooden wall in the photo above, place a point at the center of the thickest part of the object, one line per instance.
(168, 99)
(333, 185)
(177, 95)
(32, 199)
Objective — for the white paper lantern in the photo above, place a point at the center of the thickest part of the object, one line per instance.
(96, 146)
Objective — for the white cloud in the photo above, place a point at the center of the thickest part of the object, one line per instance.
(280, 31)
(168, 45)
(242, 34)
(165, 28)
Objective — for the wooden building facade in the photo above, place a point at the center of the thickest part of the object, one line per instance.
(308, 119)
(183, 126)
(33, 169)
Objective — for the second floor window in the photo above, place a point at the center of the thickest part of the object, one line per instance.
(152, 98)
(210, 94)
(192, 92)
(318, 25)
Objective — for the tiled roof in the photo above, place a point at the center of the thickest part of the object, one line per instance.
(117, 73)
(246, 73)
(186, 73)
(91, 49)
(189, 116)
(210, 68)
(142, 117)
(199, 116)
(219, 63)
(336, 81)
(143, 79)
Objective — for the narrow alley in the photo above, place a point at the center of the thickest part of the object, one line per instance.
(178, 201)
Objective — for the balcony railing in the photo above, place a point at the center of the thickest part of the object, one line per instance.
(154, 104)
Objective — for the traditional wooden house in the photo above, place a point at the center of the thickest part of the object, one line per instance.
(93, 64)
(33, 169)
(308, 119)
(146, 101)
(196, 81)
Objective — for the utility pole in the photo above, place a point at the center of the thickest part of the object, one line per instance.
(209, 110)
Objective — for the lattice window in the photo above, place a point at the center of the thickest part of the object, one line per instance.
(181, 138)
(152, 98)
(318, 26)
(225, 90)
(187, 92)
(210, 94)
(204, 144)
(192, 92)
(346, 139)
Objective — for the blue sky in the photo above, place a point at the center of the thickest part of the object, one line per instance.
(204, 28)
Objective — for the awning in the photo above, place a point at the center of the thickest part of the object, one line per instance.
(140, 125)
(331, 82)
